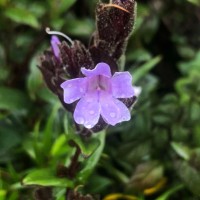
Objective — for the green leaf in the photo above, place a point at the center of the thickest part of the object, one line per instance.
(87, 146)
(2, 194)
(146, 175)
(60, 146)
(188, 87)
(4, 72)
(35, 80)
(46, 177)
(29, 149)
(140, 55)
(195, 2)
(179, 132)
(38, 8)
(3, 2)
(185, 51)
(166, 111)
(10, 138)
(59, 193)
(192, 64)
(83, 27)
(48, 130)
(117, 174)
(181, 150)
(22, 16)
(148, 84)
(195, 112)
(59, 6)
(98, 184)
(13, 99)
(46, 95)
(197, 135)
(161, 119)
(170, 192)
(14, 195)
(92, 161)
(189, 175)
(144, 69)
(36, 86)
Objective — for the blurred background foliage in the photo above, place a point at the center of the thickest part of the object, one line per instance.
(156, 155)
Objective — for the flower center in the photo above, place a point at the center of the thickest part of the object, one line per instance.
(99, 83)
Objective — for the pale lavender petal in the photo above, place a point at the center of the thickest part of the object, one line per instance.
(100, 69)
(125, 112)
(122, 85)
(87, 111)
(74, 89)
(54, 44)
(113, 111)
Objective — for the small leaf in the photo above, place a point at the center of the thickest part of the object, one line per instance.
(148, 84)
(98, 184)
(60, 6)
(3, 2)
(195, 112)
(22, 16)
(91, 162)
(188, 87)
(46, 177)
(87, 147)
(59, 146)
(195, 2)
(48, 130)
(169, 192)
(2, 194)
(46, 95)
(181, 150)
(144, 69)
(29, 149)
(38, 8)
(13, 99)
(4, 72)
(193, 64)
(189, 175)
(147, 175)
(161, 119)
(140, 55)
(76, 27)
(35, 84)
(35, 80)
(10, 138)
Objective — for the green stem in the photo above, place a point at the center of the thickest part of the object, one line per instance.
(167, 194)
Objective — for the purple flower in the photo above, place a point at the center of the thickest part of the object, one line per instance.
(54, 45)
(98, 92)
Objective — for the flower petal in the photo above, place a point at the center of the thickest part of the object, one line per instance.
(54, 44)
(122, 85)
(74, 89)
(113, 111)
(100, 69)
(87, 111)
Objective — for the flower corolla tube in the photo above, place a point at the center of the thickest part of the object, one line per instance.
(54, 44)
(98, 94)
